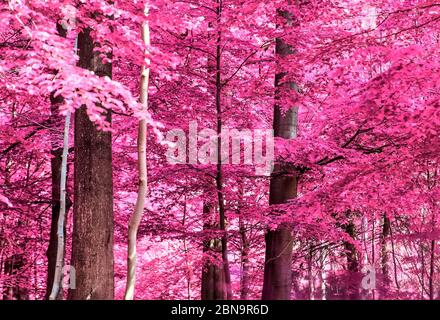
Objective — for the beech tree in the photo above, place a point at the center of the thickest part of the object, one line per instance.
(92, 244)
(283, 187)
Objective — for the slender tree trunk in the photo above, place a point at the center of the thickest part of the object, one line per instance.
(51, 252)
(15, 290)
(396, 280)
(423, 270)
(185, 249)
(432, 259)
(213, 276)
(245, 276)
(56, 163)
(92, 244)
(135, 219)
(61, 230)
(385, 254)
(352, 262)
(311, 280)
(431, 271)
(219, 177)
(283, 187)
(320, 292)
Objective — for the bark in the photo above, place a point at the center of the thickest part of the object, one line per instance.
(213, 276)
(396, 280)
(219, 176)
(352, 262)
(283, 187)
(14, 290)
(185, 249)
(320, 289)
(310, 279)
(431, 271)
(56, 162)
(213, 280)
(245, 276)
(385, 254)
(135, 219)
(61, 230)
(92, 244)
(51, 252)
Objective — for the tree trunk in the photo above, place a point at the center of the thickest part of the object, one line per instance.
(92, 246)
(352, 262)
(61, 225)
(135, 219)
(431, 271)
(385, 254)
(219, 176)
(245, 276)
(213, 280)
(283, 187)
(396, 279)
(310, 278)
(56, 161)
(15, 290)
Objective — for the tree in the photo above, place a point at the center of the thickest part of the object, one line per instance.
(59, 170)
(92, 246)
(135, 219)
(283, 187)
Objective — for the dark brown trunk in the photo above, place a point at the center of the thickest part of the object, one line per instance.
(385, 254)
(310, 279)
(92, 244)
(219, 176)
(15, 290)
(213, 282)
(431, 271)
(245, 276)
(396, 279)
(352, 262)
(283, 187)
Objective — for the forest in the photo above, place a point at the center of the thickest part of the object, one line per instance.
(219, 150)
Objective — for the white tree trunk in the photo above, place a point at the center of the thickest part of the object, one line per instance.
(60, 232)
(135, 219)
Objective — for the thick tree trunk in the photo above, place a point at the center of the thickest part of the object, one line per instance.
(92, 247)
(283, 187)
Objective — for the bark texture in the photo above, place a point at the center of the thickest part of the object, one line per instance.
(92, 247)
(283, 187)
(213, 279)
